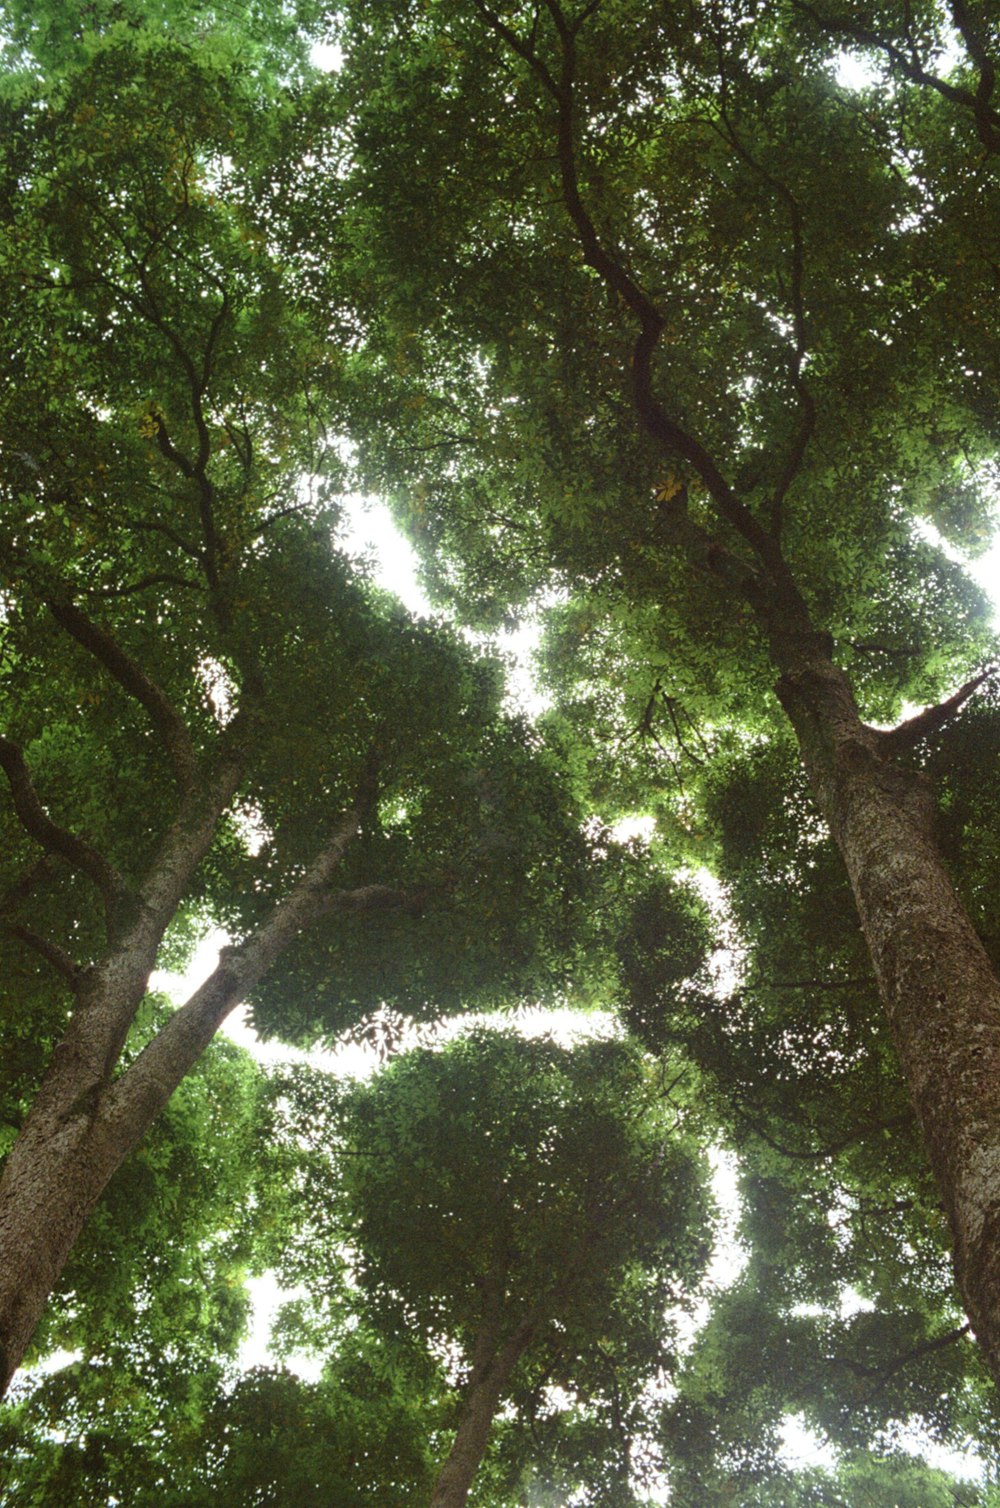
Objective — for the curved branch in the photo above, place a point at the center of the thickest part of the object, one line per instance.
(129, 674)
(822, 1154)
(882, 1375)
(987, 119)
(31, 814)
(925, 724)
(53, 954)
(653, 417)
(155, 578)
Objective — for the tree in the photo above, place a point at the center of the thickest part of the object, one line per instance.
(525, 1211)
(206, 709)
(356, 1437)
(703, 302)
(152, 1304)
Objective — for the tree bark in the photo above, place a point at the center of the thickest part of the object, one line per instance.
(84, 1122)
(482, 1399)
(936, 982)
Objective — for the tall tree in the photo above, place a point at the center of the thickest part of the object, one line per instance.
(690, 346)
(153, 1302)
(529, 1211)
(204, 706)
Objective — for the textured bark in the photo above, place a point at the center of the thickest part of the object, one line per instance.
(56, 1172)
(490, 1375)
(84, 1121)
(935, 979)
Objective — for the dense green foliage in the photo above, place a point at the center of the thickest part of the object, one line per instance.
(219, 265)
(497, 1184)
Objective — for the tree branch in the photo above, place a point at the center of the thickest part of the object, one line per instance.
(881, 1375)
(53, 954)
(143, 1090)
(156, 578)
(377, 898)
(158, 526)
(986, 118)
(925, 724)
(75, 851)
(821, 1154)
(674, 438)
(129, 674)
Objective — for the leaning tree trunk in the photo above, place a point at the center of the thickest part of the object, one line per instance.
(490, 1375)
(56, 1172)
(80, 1129)
(85, 1121)
(936, 982)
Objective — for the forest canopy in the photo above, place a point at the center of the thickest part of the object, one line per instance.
(649, 327)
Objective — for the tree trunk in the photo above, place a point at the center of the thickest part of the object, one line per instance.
(935, 979)
(479, 1407)
(84, 1122)
(52, 1179)
(80, 1129)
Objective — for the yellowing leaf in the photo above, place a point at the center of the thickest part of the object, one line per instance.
(667, 489)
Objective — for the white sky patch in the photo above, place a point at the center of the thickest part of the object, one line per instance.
(959, 1463)
(630, 828)
(516, 647)
(726, 963)
(984, 569)
(367, 532)
(27, 1378)
(328, 57)
(219, 689)
(249, 823)
(728, 1257)
(855, 70)
(802, 1446)
(852, 1302)
(266, 1298)
(564, 1024)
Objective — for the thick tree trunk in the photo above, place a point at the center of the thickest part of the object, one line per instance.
(53, 1177)
(80, 1129)
(936, 981)
(489, 1378)
(84, 1121)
